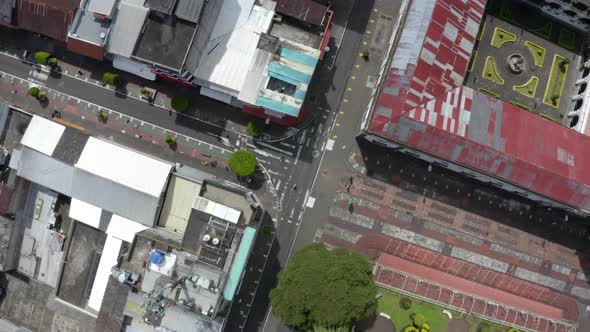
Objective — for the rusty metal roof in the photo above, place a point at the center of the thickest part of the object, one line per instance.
(423, 104)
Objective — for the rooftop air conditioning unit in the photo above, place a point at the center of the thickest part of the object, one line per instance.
(215, 241)
(206, 238)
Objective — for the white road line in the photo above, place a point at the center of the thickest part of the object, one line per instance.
(298, 153)
(302, 138)
(49, 90)
(278, 186)
(292, 212)
(289, 153)
(330, 144)
(292, 146)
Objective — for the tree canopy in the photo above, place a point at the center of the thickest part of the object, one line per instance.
(242, 162)
(180, 103)
(42, 57)
(254, 128)
(111, 78)
(324, 288)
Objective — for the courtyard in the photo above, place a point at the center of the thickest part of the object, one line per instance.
(524, 69)
(436, 316)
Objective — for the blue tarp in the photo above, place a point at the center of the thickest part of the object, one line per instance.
(277, 106)
(289, 72)
(157, 257)
(299, 57)
(235, 273)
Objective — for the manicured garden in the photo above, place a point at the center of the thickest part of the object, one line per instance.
(490, 72)
(556, 81)
(392, 304)
(529, 88)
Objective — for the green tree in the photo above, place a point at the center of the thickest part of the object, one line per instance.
(34, 92)
(254, 128)
(242, 162)
(142, 90)
(179, 104)
(111, 78)
(328, 288)
(52, 61)
(42, 95)
(169, 139)
(42, 58)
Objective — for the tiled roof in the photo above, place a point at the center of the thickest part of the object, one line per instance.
(423, 104)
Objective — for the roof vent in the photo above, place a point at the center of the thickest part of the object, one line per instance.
(215, 241)
(206, 238)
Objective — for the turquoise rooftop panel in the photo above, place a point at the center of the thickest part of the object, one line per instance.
(235, 274)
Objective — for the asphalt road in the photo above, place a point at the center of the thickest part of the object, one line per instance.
(293, 163)
(329, 84)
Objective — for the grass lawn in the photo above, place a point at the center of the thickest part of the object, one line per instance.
(389, 304)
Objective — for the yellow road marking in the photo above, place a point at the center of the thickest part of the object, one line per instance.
(337, 125)
(69, 124)
(342, 113)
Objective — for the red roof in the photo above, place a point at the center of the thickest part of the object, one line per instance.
(468, 287)
(425, 106)
(307, 11)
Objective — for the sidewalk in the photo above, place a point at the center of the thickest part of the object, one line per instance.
(14, 42)
(123, 129)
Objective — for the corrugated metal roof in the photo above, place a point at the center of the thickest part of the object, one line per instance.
(228, 58)
(108, 259)
(423, 104)
(129, 168)
(46, 171)
(126, 29)
(43, 135)
(85, 213)
(103, 7)
(239, 263)
(189, 10)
